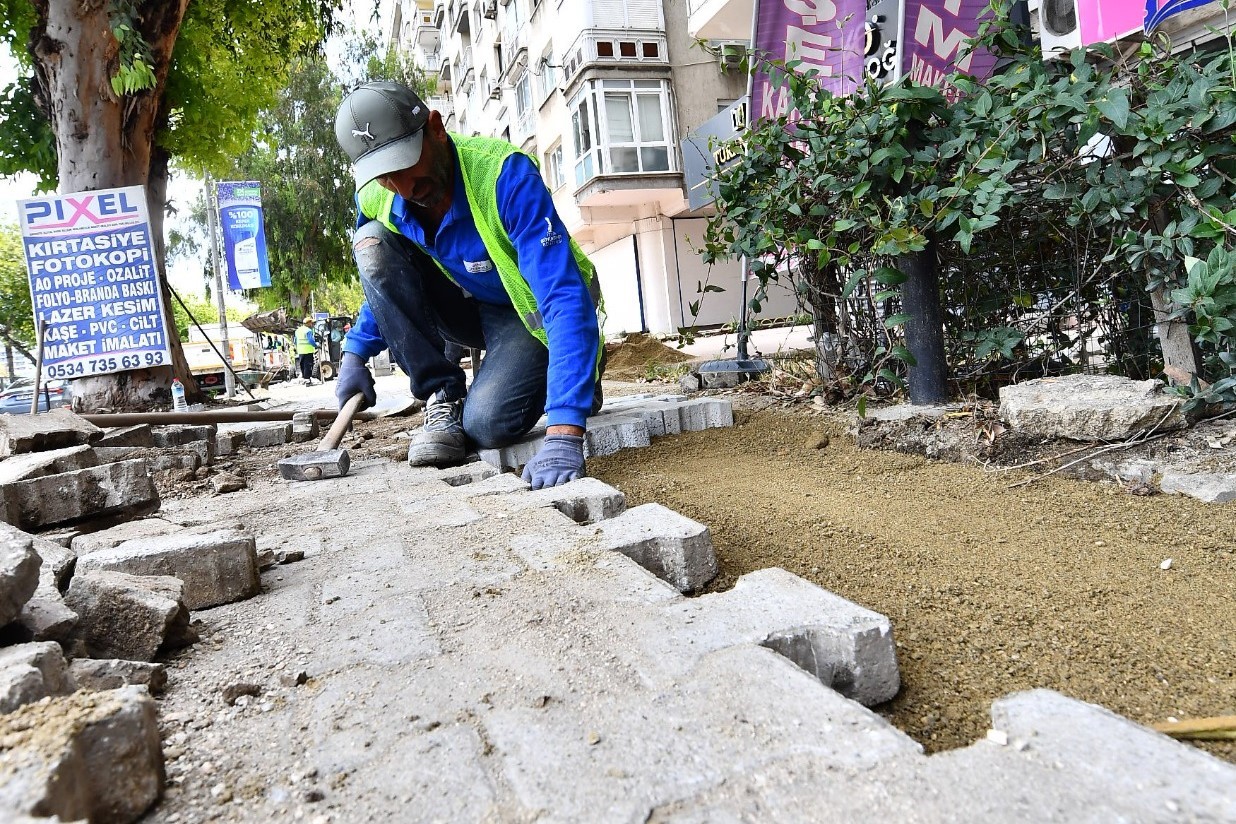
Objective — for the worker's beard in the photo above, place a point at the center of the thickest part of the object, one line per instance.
(439, 187)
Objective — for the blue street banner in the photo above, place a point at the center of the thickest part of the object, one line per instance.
(93, 282)
(244, 235)
(1159, 10)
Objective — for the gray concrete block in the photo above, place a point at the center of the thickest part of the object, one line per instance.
(500, 483)
(216, 567)
(97, 756)
(54, 429)
(32, 672)
(182, 434)
(113, 673)
(40, 464)
(705, 413)
(607, 435)
(137, 435)
(515, 455)
(1211, 488)
(45, 617)
(268, 435)
(845, 646)
(127, 531)
(56, 561)
(467, 473)
(304, 427)
(584, 501)
(205, 450)
(19, 575)
(662, 418)
(123, 488)
(667, 544)
(227, 443)
(1090, 407)
(182, 459)
(127, 616)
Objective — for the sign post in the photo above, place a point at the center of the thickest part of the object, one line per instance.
(93, 282)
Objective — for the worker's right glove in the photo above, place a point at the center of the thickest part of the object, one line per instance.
(355, 377)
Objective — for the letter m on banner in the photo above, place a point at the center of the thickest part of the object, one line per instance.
(935, 40)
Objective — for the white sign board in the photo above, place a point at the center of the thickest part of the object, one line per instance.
(93, 282)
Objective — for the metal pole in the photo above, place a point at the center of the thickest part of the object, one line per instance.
(212, 216)
(41, 332)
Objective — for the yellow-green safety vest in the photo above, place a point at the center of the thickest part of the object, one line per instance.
(480, 162)
(305, 342)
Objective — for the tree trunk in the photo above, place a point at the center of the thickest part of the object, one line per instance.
(104, 141)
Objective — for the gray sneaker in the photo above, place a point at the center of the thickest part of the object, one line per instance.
(441, 441)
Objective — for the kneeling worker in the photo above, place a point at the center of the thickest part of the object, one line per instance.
(458, 242)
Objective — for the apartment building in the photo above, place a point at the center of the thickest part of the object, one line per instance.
(602, 93)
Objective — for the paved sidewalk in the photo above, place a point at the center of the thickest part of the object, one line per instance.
(475, 651)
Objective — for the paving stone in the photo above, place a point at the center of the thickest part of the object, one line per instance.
(268, 435)
(1090, 407)
(31, 672)
(123, 488)
(39, 464)
(113, 673)
(667, 544)
(847, 647)
(304, 427)
(607, 435)
(227, 443)
(205, 451)
(90, 755)
(183, 434)
(1212, 488)
(467, 473)
(127, 531)
(216, 567)
(127, 616)
(517, 454)
(690, 382)
(54, 429)
(584, 501)
(45, 617)
(140, 434)
(19, 575)
(705, 413)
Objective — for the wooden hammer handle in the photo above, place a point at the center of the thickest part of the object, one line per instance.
(342, 421)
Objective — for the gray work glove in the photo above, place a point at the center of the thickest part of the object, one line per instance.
(355, 377)
(560, 459)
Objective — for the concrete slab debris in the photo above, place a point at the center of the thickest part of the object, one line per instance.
(1211, 488)
(90, 755)
(52, 462)
(113, 673)
(45, 617)
(54, 429)
(31, 672)
(1090, 407)
(268, 435)
(127, 616)
(56, 561)
(216, 567)
(123, 488)
(127, 531)
(19, 575)
(141, 434)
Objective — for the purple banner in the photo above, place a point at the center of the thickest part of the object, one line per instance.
(935, 33)
(826, 35)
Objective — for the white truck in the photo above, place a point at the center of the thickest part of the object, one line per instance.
(257, 358)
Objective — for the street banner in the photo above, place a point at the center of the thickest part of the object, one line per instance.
(826, 35)
(1159, 10)
(935, 35)
(244, 235)
(93, 282)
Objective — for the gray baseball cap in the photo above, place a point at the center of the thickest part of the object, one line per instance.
(380, 126)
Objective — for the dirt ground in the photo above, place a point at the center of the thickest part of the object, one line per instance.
(990, 589)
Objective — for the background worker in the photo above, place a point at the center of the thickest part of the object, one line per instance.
(458, 242)
(306, 348)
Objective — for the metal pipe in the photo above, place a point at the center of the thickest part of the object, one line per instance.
(215, 416)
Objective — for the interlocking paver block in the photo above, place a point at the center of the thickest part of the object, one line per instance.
(667, 544)
(705, 413)
(607, 435)
(269, 435)
(584, 501)
(54, 429)
(124, 487)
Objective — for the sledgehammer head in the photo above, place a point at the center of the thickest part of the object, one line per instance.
(312, 466)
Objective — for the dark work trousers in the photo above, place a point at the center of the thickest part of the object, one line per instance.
(305, 362)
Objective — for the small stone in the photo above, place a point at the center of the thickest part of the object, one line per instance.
(232, 692)
(818, 440)
(313, 796)
(202, 473)
(332, 599)
(266, 559)
(226, 482)
(998, 737)
(1100, 543)
(594, 738)
(221, 793)
(290, 556)
(1167, 564)
(540, 701)
(294, 679)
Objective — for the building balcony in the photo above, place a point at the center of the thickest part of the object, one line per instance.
(461, 21)
(439, 14)
(665, 189)
(466, 78)
(427, 36)
(626, 48)
(720, 19)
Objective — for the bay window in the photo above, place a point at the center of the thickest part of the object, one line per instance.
(621, 127)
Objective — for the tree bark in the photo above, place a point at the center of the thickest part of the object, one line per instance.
(104, 141)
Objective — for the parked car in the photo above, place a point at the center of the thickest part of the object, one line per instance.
(16, 399)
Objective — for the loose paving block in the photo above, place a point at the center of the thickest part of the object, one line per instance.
(205, 450)
(584, 501)
(216, 567)
(467, 473)
(517, 454)
(45, 617)
(117, 535)
(39, 464)
(90, 755)
(667, 544)
(137, 435)
(1090, 407)
(127, 616)
(31, 672)
(705, 413)
(113, 673)
(304, 427)
(123, 488)
(55, 429)
(226, 443)
(1211, 488)
(845, 646)
(19, 575)
(606, 435)
(56, 561)
(182, 434)
(167, 460)
(269, 435)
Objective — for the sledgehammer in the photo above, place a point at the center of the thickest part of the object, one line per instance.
(328, 461)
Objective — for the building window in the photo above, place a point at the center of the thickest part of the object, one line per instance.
(630, 119)
(553, 168)
(547, 80)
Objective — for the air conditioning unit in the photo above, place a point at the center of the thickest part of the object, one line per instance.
(731, 55)
(1064, 25)
(495, 92)
(490, 12)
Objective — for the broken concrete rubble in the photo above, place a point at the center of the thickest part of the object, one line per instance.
(127, 616)
(19, 575)
(124, 489)
(53, 462)
(90, 755)
(54, 429)
(114, 673)
(32, 672)
(45, 617)
(1090, 407)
